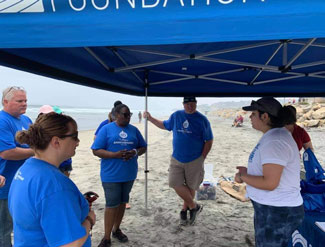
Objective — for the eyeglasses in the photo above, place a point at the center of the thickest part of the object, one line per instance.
(126, 114)
(8, 90)
(74, 136)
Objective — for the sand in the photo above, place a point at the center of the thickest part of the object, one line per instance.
(223, 222)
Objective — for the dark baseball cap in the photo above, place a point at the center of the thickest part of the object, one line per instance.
(265, 104)
(189, 99)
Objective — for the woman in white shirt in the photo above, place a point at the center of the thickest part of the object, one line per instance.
(273, 175)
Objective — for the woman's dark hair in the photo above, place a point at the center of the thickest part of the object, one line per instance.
(286, 115)
(113, 113)
(116, 103)
(120, 107)
(46, 126)
(290, 114)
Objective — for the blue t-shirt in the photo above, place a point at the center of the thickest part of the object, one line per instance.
(65, 163)
(190, 132)
(115, 138)
(101, 125)
(46, 206)
(9, 125)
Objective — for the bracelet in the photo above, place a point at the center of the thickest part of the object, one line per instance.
(92, 223)
(136, 151)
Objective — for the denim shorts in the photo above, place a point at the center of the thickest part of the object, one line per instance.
(275, 225)
(117, 193)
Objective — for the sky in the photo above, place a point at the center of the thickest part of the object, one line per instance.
(43, 90)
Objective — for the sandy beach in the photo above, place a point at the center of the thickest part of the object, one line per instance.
(223, 222)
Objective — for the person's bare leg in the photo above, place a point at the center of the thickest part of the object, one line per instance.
(109, 220)
(119, 216)
(185, 206)
(187, 195)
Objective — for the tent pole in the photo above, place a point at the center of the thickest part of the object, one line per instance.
(146, 138)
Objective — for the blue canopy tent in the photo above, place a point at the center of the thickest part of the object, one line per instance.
(170, 48)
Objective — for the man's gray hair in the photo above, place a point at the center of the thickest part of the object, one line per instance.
(8, 93)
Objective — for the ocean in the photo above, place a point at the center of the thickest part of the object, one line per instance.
(90, 118)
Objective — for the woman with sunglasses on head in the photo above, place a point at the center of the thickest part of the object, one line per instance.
(118, 144)
(273, 175)
(46, 206)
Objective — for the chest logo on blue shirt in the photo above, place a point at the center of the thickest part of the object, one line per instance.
(123, 134)
(19, 176)
(185, 128)
(186, 124)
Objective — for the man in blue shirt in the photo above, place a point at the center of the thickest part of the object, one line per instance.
(192, 141)
(12, 154)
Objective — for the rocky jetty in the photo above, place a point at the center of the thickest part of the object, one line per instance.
(309, 114)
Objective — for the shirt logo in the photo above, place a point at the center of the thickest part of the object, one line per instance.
(18, 176)
(123, 134)
(21, 6)
(251, 156)
(297, 238)
(186, 124)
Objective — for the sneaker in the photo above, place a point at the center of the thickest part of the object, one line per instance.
(105, 243)
(118, 234)
(194, 213)
(183, 218)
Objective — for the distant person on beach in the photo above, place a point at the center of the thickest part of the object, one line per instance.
(12, 154)
(299, 134)
(140, 116)
(192, 141)
(47, 207)
(66, 166)
(118, 144)
(273, 175)
(2, 181)
(238, 122)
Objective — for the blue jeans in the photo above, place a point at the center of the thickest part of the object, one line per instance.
(117, 193)
(5, 224)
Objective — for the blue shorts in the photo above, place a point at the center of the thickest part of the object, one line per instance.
(275, 225)
(117, 193)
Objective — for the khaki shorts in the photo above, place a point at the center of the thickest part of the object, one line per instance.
(190, 174)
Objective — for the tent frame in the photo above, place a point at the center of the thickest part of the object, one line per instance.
(287, 67)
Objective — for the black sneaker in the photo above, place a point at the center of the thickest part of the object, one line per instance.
(183, 218)
(105, 243)
(120, 236)
(194, 213)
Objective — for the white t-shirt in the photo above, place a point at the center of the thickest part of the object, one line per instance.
(277, 146)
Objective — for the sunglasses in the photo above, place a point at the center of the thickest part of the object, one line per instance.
(126, 114)
(74, 136)
(10, 89)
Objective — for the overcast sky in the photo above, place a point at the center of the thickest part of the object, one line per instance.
(42, 90)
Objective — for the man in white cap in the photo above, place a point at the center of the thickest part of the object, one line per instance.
(12, 154)
(192, 141)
